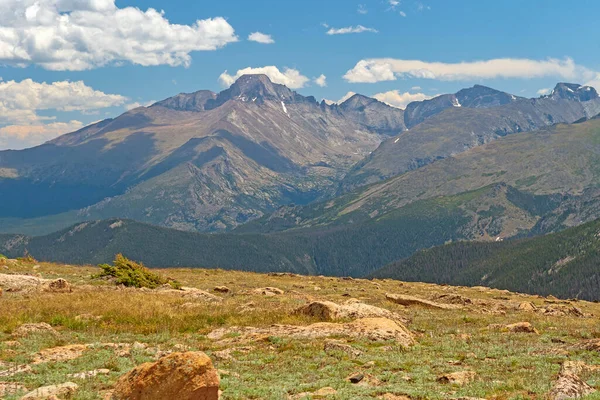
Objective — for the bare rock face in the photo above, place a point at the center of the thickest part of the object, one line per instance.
(26, 330)
(182, 376)
(64, 390)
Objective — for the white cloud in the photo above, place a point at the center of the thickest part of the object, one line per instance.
(400, 100)
(20, 124)
(345, 97)
(595, 82)
(415, 88)
(321, 80)
(362, 9)
(83, 34)
(18, 137)
(393, 4)
(350, 29)
(544, 91)
(389, 69)
(19, 101)
(137, 104)
(260, 38)
(403, 14)
(289, 77)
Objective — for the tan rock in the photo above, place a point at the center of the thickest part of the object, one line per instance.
(268, 291)
(26, 330)
(222, 289)
(21, 283)
(59, 354)
(460, 378)
(408, 301)
(14, 370)
(64, 390)
(527, 306)
(391, 396)
(319, 394)
(58, 286)
(352, 309)
(521, 327)
(570, 386)
(182, 376)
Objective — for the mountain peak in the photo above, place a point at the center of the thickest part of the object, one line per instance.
(357, 101)
(573, 91)
(258, 86)
(188, 101)
(480, 96)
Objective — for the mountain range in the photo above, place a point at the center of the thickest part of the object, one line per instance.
(304, 186)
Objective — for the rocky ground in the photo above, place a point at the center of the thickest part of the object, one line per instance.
(242, 335)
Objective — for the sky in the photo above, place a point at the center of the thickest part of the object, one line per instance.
(67, 63)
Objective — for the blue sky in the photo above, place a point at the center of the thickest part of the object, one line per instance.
(67, 63)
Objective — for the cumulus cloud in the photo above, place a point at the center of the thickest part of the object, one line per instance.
(350, 29)
(289, 77)
(389, 69)
(78, 35)
(137, 104)
(22, 126)
(400, 100)
(595, 82)
(19, 101)
(544, 91)
(19, 137)
(321, 80)
(260, 38)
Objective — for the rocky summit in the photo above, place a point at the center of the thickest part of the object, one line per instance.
(285, 336)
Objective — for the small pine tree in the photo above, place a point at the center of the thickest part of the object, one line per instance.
(132, 274)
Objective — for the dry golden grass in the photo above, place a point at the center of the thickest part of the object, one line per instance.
(508, 366)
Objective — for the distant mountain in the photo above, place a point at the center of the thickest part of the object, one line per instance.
(200, 161)
(350, 249)
(564, 264)
(557, 167)
(451, 124)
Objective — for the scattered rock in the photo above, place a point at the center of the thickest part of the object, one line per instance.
(11, 343)
(59, 354)
(90, 374)
(268, 291)
(589, 345)
(21, 283)
(362, 379)
(355, 378)
(47, 392)
(26, 330)
(407, 300)
(222, 289)
(460, 378)
(319, 394)
(182, 376)
(521, 327)
(452, 298)
(391, 396)
(223, 355)
(352, 309)
(336, 346)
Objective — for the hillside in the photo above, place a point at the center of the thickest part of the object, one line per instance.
(287, 336)
(558, 163)
(352, 248)
(564, 264)
(201, 161)
(448, 125)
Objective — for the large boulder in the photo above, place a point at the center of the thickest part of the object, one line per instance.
(182, 376)
(570, 386)
(352, 309)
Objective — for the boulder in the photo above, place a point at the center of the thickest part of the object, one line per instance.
(268, 291)
(41, 328)
(332, 347)
(352, 309)
(222, 289)
(58, 286)
(527, 306)
(65, 390)
(521, 327)
(460, 378)
(182, 376)
(570, 386)
(408, 301)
